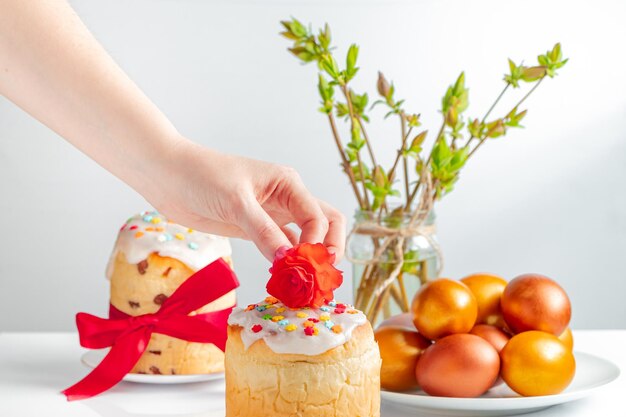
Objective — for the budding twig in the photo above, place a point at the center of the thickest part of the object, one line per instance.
(344, 160)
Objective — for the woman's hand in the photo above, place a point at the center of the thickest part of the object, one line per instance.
(241, 197)
(54, 69)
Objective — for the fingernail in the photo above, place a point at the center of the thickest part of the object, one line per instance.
(333, 252)
(281, 252)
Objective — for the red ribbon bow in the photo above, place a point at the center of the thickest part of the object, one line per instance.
(128, 336)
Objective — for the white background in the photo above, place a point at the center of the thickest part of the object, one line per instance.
(549, 198)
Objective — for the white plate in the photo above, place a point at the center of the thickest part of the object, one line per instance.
(592, 373)
(94, 357)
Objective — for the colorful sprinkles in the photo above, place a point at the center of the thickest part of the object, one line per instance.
(306, 319)
(151, 219)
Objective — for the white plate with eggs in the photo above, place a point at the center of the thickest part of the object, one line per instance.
(592, 372)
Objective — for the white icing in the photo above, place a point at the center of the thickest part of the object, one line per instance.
(195, 249)
(297, 341)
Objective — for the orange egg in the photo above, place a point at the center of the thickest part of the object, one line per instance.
(567, 338)
(443, 307)
(535, 302)
(460, 365)
(399, 349)
(402, 321)
(487, 288)
(497, 337)
(537, 363)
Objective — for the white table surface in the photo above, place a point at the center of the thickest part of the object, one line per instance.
(35, 367)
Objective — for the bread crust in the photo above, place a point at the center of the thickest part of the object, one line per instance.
(341, 382)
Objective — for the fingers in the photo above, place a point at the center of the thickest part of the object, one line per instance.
(319, 221)
(335, 239)
(306, 211)
(291, 234)
(262, 230)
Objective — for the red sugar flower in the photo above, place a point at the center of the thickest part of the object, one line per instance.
(304, 276)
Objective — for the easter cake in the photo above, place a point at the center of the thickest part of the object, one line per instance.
(284, 358)
(152, 257)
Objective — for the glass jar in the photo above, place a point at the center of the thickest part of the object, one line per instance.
(381, 286)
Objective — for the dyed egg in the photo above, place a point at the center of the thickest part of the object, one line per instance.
(402, 321)
(567, 338)
(460, 365)
(535, 302)
(494, 335)
(487, 288)
(443, 307)
(537, 363)
(497, 337)
(400, 350)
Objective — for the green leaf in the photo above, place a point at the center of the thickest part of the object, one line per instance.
(356, 170)
(458, 160)
(512, 66)
(351, 68)
(329, 65)
(552, 60)
(350, 153)
(389, 95)
(289, 35)
(359, 102)
(342, 110)
(324, 37)
(555, 54)
(441, 153)
(355, 132)
(459, 85)
(516, 74)
(496, 129)
(513, 118)
(445, 101)
(456, 96)
(476, 128)
(376, 103)
(413, 120)
(326, 91)
(302, 53)
(298, 28)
